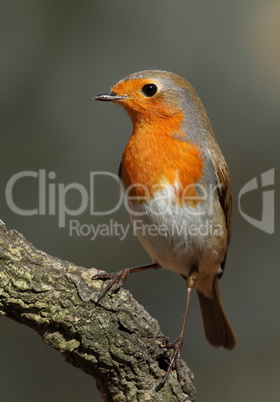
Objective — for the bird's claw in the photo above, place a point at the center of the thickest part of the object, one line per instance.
(174, 362)
(116, 278)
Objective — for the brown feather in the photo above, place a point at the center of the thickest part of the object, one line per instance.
(217, 329)
(223, 190)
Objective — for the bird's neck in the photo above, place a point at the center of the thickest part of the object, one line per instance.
(158, 123)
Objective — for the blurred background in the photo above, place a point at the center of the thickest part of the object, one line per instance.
(55, 56)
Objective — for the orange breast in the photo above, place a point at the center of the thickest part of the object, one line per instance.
(157, 155)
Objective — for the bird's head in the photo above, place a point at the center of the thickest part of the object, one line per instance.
(156, 97)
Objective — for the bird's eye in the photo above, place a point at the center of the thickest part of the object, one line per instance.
(149, 90)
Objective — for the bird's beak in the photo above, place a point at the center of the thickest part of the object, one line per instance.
(109, 97)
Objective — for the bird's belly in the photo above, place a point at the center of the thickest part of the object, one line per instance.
(180, 237)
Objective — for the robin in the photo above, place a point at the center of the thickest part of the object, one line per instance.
(177, 192)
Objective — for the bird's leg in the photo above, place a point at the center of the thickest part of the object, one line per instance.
(118, 278)
(177, 345)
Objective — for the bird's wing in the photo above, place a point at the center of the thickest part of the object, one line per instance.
(224, 193)
(223, 188)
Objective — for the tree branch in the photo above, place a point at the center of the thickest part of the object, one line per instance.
(116, 341)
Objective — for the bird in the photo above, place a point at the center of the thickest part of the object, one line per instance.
(176, 181)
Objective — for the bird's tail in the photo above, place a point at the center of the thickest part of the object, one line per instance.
(217, 328)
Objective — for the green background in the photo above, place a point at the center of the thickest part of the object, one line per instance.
(56, 55)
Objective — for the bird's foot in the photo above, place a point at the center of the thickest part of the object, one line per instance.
(174, 362)
(116, 278)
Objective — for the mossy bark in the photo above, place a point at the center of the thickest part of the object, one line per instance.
(115, 341)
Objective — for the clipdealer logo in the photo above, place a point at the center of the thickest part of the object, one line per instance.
(53, 196)
(49, 192)
(267, 221)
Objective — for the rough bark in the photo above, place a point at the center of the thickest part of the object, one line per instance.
(115, 341)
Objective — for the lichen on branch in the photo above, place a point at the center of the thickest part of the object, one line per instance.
(115, 341)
